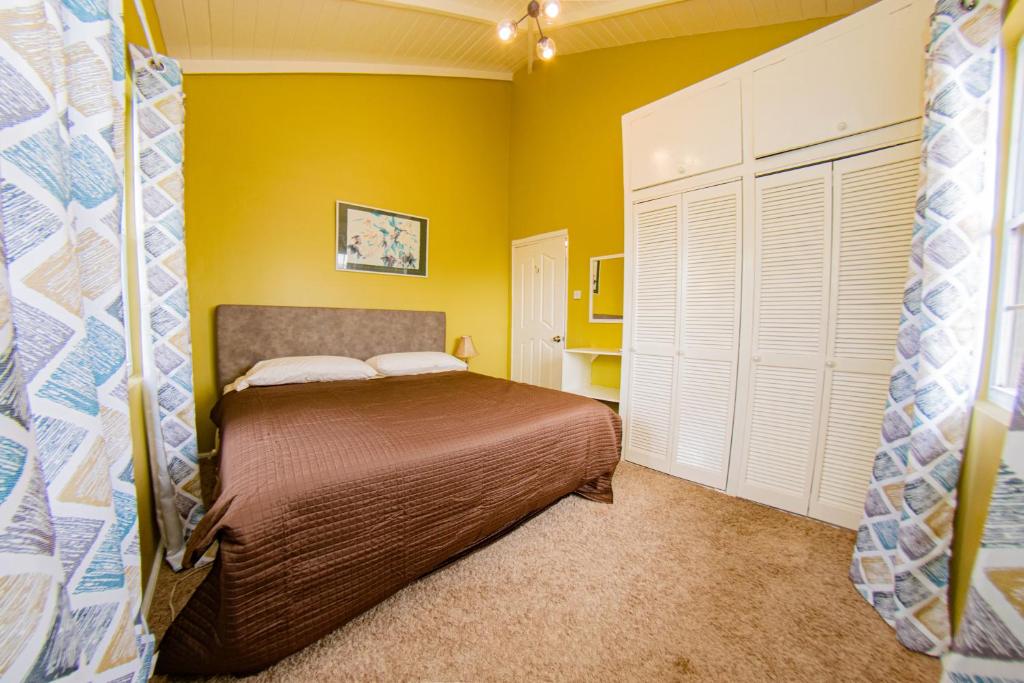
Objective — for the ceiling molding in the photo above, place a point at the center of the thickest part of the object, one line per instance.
(580, 15)
(578, 12)
(448, 8)
(251, 66)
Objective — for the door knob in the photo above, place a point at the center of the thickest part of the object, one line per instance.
(556, 339)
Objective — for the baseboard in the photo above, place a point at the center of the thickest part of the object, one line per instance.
(154, 574)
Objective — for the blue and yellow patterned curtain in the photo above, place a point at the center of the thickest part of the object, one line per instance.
(69, 558)
(901, 561)
(989, 643)
(158, 118)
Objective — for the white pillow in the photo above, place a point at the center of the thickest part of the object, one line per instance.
(415, 363)
(301, 369)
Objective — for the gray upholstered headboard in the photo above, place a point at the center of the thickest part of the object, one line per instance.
(249, 334)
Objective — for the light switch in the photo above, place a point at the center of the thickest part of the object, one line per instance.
(577, 294)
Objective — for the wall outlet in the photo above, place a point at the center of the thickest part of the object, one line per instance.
(577, 294)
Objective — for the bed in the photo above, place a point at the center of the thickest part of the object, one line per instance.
(334, 495)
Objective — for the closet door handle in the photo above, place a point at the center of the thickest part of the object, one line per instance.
(556, 339)
(757, 359)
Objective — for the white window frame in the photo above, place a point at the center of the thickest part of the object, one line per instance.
(1009, 333)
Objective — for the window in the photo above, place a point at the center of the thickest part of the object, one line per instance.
(1009, 345)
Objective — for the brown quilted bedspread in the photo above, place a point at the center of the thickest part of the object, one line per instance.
(334, 495)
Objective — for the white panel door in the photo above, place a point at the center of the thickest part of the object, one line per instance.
(874, 199)
(538, 309)
(694, 131)
(653, 260)
(709, 338)
(792, 227)
(869, 76)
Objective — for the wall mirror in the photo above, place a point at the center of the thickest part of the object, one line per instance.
(606, 277)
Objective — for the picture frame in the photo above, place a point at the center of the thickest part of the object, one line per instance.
(373, 240)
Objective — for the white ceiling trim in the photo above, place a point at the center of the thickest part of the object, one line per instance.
(251, 66)
(450, 8)
(580, 13)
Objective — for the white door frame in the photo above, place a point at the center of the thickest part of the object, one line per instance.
(564, 232)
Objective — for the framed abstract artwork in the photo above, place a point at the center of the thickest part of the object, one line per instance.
(373, 240)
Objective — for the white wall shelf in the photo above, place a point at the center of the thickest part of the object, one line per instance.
(576, 367)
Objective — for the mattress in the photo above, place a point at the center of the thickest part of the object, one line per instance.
(333, 496)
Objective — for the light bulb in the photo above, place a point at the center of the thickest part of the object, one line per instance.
(545, 48)
(552, 8)
(507, 30)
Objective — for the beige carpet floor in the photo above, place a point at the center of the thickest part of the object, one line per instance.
(672, 582)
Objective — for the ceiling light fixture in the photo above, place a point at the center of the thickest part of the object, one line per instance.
(508, 29)
(545, 48)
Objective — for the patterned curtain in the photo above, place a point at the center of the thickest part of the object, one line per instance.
(69, 558)
(989, 645)
(158, 121)
(901, 560)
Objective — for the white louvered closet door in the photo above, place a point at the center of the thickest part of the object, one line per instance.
(710, 309)
(654, 296)
(874, 199)
(792, 227)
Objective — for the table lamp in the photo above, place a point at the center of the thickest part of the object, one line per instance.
(465, 349)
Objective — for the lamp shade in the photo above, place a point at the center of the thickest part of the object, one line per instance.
(465, 348)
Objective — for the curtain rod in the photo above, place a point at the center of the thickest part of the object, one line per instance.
(154, 60)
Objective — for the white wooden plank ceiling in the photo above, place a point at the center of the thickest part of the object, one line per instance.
(444, 37)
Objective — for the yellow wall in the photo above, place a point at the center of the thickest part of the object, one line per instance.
(267, 156)
(607, 300)
(989, 422)
(981, 463)
(566, 167)
(148, 532)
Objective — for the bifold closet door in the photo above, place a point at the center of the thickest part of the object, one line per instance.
(651, 347)
(874, 199)
(710, 308)
(792, 228)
